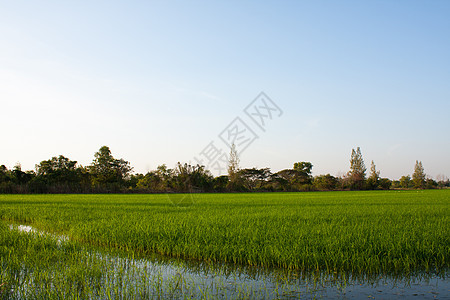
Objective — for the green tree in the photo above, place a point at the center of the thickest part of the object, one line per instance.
(297, 179)
(374, 177)
(20, 177)
(4, 174)
(303, 172)
(325, 182)
(284, 180)
(165, 175)
(58, 175)
(418, 176)
(384, 183)
(188, 178)
(152, 181)
(442, 180)
(108, 171)
(57, 170)
(431, 184)
(6, 180)
(357, 174)
(254, 179)
(133, 180)
(405, 182)
(220, 183)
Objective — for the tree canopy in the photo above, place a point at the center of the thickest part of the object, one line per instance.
(106, 173)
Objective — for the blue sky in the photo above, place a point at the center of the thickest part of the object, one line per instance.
(158, 81)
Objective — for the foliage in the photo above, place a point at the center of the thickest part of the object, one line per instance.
(108, 171)
(418, 176)
(374, 177)
(59, 174)
(188, 178)
(405, 182)
(357, 173)
(384, 183)
(254, 179)
(220, 183)
(107, 174)
(325, 182)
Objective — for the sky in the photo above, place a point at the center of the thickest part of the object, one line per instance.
(164, 81)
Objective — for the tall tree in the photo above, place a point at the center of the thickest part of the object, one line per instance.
(374, 174)
(374, 177)
(107, 170)
(418, 176)
(357, 172)
(233, 162)
(233, 170)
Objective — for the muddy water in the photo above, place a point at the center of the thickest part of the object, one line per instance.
(175, 278)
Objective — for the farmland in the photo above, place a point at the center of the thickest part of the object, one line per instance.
(356, 233)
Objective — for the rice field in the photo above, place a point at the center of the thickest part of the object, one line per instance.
(337, 234)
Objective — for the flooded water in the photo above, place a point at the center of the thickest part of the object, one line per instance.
(161, 277)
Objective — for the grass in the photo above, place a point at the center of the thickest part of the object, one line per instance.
(37, 265)
(373, 232)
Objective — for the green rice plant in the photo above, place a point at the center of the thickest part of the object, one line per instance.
(338, 233)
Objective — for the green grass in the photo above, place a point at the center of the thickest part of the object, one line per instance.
(333, 232)
(36, 266)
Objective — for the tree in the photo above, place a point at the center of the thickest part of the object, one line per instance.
(188, 178)
(165, 175)
(57, 170)
(283, 180)
(254, 179)
(133, 180)
(442, 180)
(374, 177)
(6, 180)
(303, 172)
(303, 167)
(108, 171)
(4, 174)
(58, 175)
(220, 183)
(233, 161)
(156, 181)
(234, 182)
(430, 183)
(325, 182)
(384, 183)
(357, 174)
(278, 181)
(297, 179)
(418, 176)
(405, 182)
(20, 177)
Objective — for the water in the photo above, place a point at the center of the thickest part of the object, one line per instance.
(161, 277)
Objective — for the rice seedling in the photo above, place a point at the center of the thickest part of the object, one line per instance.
(347, 235)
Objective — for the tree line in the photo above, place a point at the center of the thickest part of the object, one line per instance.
(107, 174)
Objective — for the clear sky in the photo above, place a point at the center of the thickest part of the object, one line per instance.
(158, 81)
